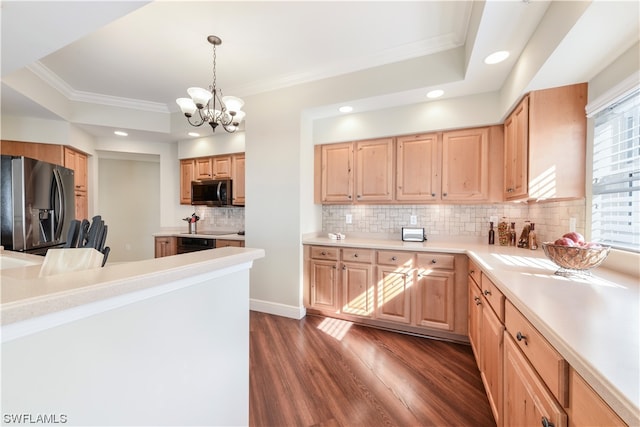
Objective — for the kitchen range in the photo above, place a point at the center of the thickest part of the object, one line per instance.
(193, 244)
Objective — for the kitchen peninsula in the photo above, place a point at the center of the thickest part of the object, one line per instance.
(159, 341)
(590, 322)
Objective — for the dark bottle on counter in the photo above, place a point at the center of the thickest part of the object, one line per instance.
(533, 238)
(512, 234)
(492, 234)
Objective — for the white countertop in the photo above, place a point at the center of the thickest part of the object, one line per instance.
(594, 322)
(25, 295)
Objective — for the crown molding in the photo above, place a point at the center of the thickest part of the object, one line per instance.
(53, 80)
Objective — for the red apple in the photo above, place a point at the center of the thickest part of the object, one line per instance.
(564, 241)
(577, 238)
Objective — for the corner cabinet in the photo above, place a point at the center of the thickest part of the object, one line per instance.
(419, 293)
(545, 145)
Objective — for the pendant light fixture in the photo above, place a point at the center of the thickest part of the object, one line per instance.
(211, 106)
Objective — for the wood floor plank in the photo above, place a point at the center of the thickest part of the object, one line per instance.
(326, 372)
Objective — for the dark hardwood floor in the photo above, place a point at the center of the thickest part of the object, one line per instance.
(326, 372)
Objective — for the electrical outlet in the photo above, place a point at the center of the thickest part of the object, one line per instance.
(572, 224)
(414, 220)
(349, 219)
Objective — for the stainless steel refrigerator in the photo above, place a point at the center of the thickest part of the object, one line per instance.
(37, 204)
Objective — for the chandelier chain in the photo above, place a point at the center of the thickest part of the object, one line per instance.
(214, 66)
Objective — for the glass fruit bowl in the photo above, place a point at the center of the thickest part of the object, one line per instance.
(575, 259)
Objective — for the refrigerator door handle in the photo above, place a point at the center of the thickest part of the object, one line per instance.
(60, 217)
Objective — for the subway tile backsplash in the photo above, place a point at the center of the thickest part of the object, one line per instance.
(551, 218)
(224, 218)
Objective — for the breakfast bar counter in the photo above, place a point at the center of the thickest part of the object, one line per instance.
(592, 321)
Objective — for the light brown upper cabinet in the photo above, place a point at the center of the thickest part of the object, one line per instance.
(187, 174)
(237, 175)
(78, 162)
(374, 170)
(418, 168)
(465, 165)
(221, 167)
(355, 171)
(335, 162)
(203, 168)
(545, 145)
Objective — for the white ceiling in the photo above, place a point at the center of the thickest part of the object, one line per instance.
(147, 53)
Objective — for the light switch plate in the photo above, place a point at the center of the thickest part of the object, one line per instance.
(349, 219)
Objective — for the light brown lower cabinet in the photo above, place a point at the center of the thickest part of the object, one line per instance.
(165, 246)
(527, 400)
(223, 243)
(403, 290)
(528, 383)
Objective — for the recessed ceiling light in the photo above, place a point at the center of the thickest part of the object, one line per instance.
(120, 133)
(193, 134)
(496, 57)
(345, 109)
(435, 93)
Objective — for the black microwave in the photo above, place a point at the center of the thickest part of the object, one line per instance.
(215, 192)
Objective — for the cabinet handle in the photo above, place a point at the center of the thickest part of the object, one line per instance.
(433, 194)
(521, 337)
(487, 292)
(355, 255)
(349, 195)
(359, 195)
(509, 190)
(344, 267)
(477, 300)
(444, 194)
(323, 253)
(433, 261)
(472, 272)
(546, 422)
(394, 258)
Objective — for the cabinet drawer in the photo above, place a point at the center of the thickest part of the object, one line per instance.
(324, 252)
(357, 255)
(549, 364)
(397, 258)
(444, 261)
(474, 272)
(493, 296)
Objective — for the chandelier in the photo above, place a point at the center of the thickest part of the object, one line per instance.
(211, 106)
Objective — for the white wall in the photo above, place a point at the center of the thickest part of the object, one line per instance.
(129, 203)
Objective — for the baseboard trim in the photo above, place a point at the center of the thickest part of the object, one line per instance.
(277, 309)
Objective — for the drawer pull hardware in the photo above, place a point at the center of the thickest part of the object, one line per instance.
(546, 422)
(487, 292)
(355, 255)
(394, 258)
(323, 253)
(478, 301)
(521, 337)
(472, 272)
(433, 261)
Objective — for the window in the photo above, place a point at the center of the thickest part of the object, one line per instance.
(615, 210)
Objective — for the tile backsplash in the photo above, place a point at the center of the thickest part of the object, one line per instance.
(225, 217)
(551, 218)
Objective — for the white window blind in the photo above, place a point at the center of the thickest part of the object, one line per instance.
(615, 216)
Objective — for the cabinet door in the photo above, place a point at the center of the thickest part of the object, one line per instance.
(357, 289)
(418, 167)
(491, 342)
(465, 165)
(475, 319)
(81, 205)
(324, 285)
(586, 407)
(203, 168)
(187, 174)
(221, 167)
(434, 298)
(223, 243)
(374, 170)
(165, 246)
(50, 153)
(238, 179)
(527, 401)
(394, 294)
(516, 157)
(337, 173)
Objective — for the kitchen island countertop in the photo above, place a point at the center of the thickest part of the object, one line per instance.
(201, 234)
(592, 321)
